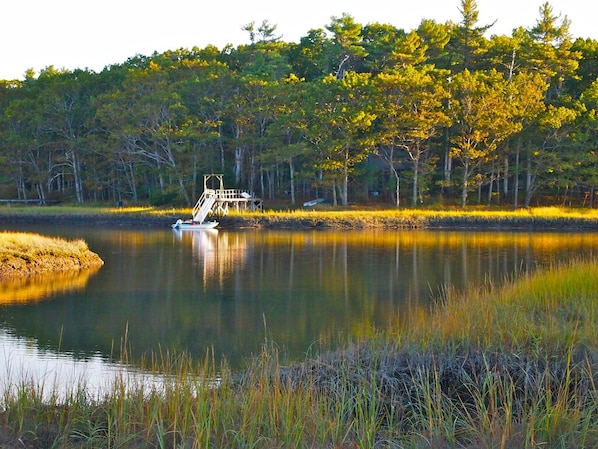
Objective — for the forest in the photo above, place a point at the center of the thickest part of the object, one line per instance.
(445, 114)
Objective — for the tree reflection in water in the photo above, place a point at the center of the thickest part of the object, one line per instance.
(230, 290)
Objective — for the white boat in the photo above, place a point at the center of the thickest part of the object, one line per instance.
(314, 202)
(190, 225)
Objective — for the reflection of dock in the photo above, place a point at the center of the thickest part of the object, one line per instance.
(217, 254)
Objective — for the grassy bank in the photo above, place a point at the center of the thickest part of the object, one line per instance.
(539, 218)
(27, 253)
(493, 368)
(326, 218)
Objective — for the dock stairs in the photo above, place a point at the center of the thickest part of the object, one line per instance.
(204, 205)
(219, 201)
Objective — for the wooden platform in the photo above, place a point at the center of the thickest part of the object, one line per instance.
(220, 201)
(236, 200)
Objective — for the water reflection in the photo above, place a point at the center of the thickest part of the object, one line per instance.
(230, 290)
(43, 286)
(215, 255)
(23, 363)
(56, 376)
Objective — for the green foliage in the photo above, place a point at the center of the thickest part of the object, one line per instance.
(442, 103)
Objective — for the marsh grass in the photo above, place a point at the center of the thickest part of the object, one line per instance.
(507, 367)
(29, 253)
(328, 217)
(538, 218)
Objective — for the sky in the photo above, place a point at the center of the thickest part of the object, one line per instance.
(90, 34)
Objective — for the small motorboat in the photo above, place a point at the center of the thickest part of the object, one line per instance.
(190, 225)
(312, 203)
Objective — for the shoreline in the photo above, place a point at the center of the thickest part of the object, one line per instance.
(331, 220)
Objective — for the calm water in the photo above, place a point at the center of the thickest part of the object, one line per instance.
(229, 290)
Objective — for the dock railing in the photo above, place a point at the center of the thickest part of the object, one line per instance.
(233, 194)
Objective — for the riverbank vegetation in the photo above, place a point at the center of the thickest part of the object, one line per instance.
(446, 113)
(325, 217)
(23, 254)
(543, 218)
(514, 366)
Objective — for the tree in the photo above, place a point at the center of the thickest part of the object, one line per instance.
(467, 43)
(205, 92)
(483, 118)
(147, 116)
(436, 37)
(544, 157)
(586, 138)
(411, 113)
(310, 59)
(388, 47)
(67, 119)
(288, 129)
(527, 100)
(341, 115)
(587, 70)
(264, 33)
(347, 47)
(550, 51)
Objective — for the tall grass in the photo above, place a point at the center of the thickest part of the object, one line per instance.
(539, 218)
(31, 253)
(337, 217)
(494, 368)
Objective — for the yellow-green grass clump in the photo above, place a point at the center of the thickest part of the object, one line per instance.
(24, 254)
(554, 308)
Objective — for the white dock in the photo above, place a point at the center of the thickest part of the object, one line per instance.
(220, 201)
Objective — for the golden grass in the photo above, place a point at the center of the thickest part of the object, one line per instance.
(553, 309)
(329, 217)
(325, 211)
(540, 218)
(29, 253)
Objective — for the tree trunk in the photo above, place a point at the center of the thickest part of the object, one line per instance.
(464, 189)
(397, 185)
(40, 193)
(415, 181)
(183, 190)
(334, 200)
(238, 164)
(262, 184)
(491, 186)
(505, 180)
(529, 181)
(77, 177)
(292, 180)
(516, 176)
(345, 187)
(21, 187)
(448, 163)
